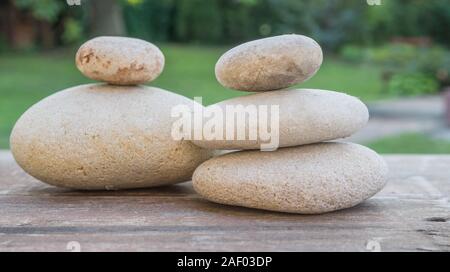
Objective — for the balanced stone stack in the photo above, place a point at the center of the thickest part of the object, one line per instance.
(307, 174)
(107, 136)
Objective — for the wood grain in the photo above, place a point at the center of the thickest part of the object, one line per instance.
(411, 214)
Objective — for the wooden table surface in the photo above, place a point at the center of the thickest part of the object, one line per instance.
(411, 214)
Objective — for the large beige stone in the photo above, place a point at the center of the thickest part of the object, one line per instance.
(308, 179)
(269, 64)
(105, 137)
(120, 60)
(305, 116)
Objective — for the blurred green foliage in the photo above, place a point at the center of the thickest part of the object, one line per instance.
(47, 10)
(332, 23)
(410, 143)
(149, 20)
(407, 69)
(225, 21)
(408, 18)
(354, 53)
(73, 31)
(412, 84)
(393, 55)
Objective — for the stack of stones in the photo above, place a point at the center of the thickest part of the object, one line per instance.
(118, 134)
(306, 174)
(107, 136)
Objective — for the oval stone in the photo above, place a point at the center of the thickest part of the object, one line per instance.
(308, 179)
(102, 136)
(269, 64)
(305, 116)
(120, 60)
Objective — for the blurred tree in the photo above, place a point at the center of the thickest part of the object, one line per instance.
(198, 20)
(47, 23)
(430, 18)
(150, 20)
(334, 23)
(46, 10)
(409, 18)
(105, 17)
(38, 21)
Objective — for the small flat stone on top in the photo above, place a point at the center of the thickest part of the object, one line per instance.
(120, 60)
(269, 64)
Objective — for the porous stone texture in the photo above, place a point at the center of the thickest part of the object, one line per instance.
(119, 60)
(101, 136)
(269, 64)
(309, 179)
(305, 116)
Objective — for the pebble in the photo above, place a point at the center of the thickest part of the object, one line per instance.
(99, 136)
(305, 116)
(309, 179)
(269, 64)
(119, 60)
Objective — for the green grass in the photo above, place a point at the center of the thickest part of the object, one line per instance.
(410, 143)
(27, 78)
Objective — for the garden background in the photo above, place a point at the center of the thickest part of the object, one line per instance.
(394, 56)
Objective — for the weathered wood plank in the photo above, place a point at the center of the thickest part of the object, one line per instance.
(411, 214)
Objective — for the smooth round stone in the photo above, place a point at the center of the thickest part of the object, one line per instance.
(305, 116)
(307, 179)
(119, 60)
(269, 64)
(101, 136)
